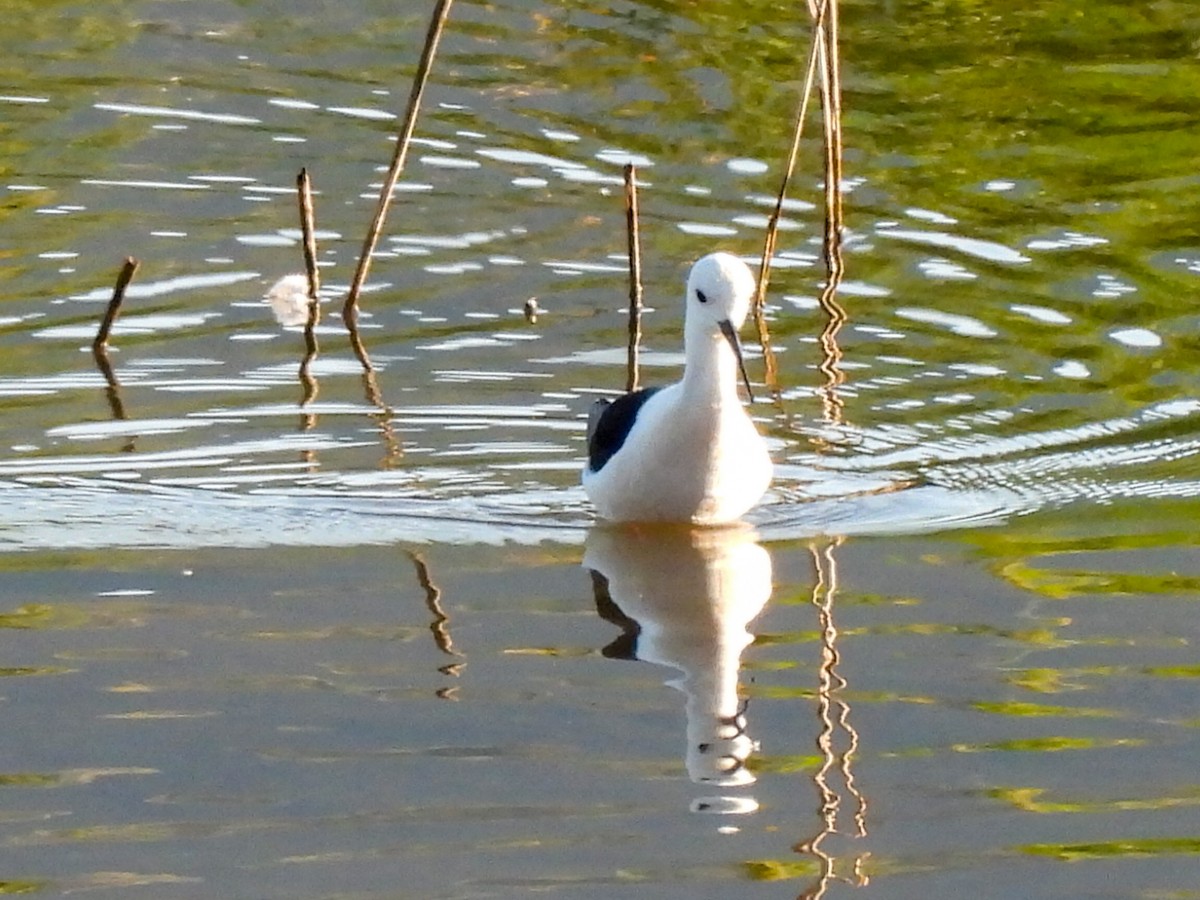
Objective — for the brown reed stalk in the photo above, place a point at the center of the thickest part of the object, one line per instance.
(308, 231)
(634, 244)
(100, 344)
(831, 105)
(771, 237)
(434, 35)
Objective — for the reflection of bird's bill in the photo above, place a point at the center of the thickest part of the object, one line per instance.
(725, 806)
(735, 342)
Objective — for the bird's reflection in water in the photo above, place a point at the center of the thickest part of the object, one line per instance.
(683, 597)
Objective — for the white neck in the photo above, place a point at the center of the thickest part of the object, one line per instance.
(711, 370)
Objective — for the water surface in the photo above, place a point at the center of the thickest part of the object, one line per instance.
(349, 648)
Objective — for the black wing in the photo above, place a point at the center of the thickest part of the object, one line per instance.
(609, 423)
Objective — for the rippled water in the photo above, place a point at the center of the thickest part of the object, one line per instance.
(232, 618)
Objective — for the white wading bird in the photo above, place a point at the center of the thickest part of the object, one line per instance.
(687, 452)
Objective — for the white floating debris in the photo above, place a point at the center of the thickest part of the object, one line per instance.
(288, 298)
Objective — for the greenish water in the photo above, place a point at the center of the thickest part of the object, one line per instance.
(251, 649)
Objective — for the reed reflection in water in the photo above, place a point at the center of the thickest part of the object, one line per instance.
(837, 756)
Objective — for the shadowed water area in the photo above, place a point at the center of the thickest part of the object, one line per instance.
(373, 646)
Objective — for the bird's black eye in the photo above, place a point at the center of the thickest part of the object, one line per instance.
(700, 296)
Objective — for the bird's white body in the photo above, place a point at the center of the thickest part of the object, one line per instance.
(692, 454)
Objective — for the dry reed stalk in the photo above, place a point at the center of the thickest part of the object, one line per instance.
(634, 243)
(434, 35)
(772, 234)
(831, 105)
(100, 344)
(308, 231)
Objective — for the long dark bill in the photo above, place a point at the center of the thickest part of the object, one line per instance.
(731, 335)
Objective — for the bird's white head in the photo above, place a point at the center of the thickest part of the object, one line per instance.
(720, 289)
(720, 286)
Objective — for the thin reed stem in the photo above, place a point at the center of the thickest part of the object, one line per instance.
(308, 231)
(771, 237)
(831, 105)
(635, 277)
(833, 406)
(100, 344)
(434, 35)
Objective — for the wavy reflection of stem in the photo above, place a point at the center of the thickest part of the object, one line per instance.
(112, 391)
(834, 714)
(309, 385)
(385, 417)
(113, 387)
(310, 388)
(833, 406)
(440, 626)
